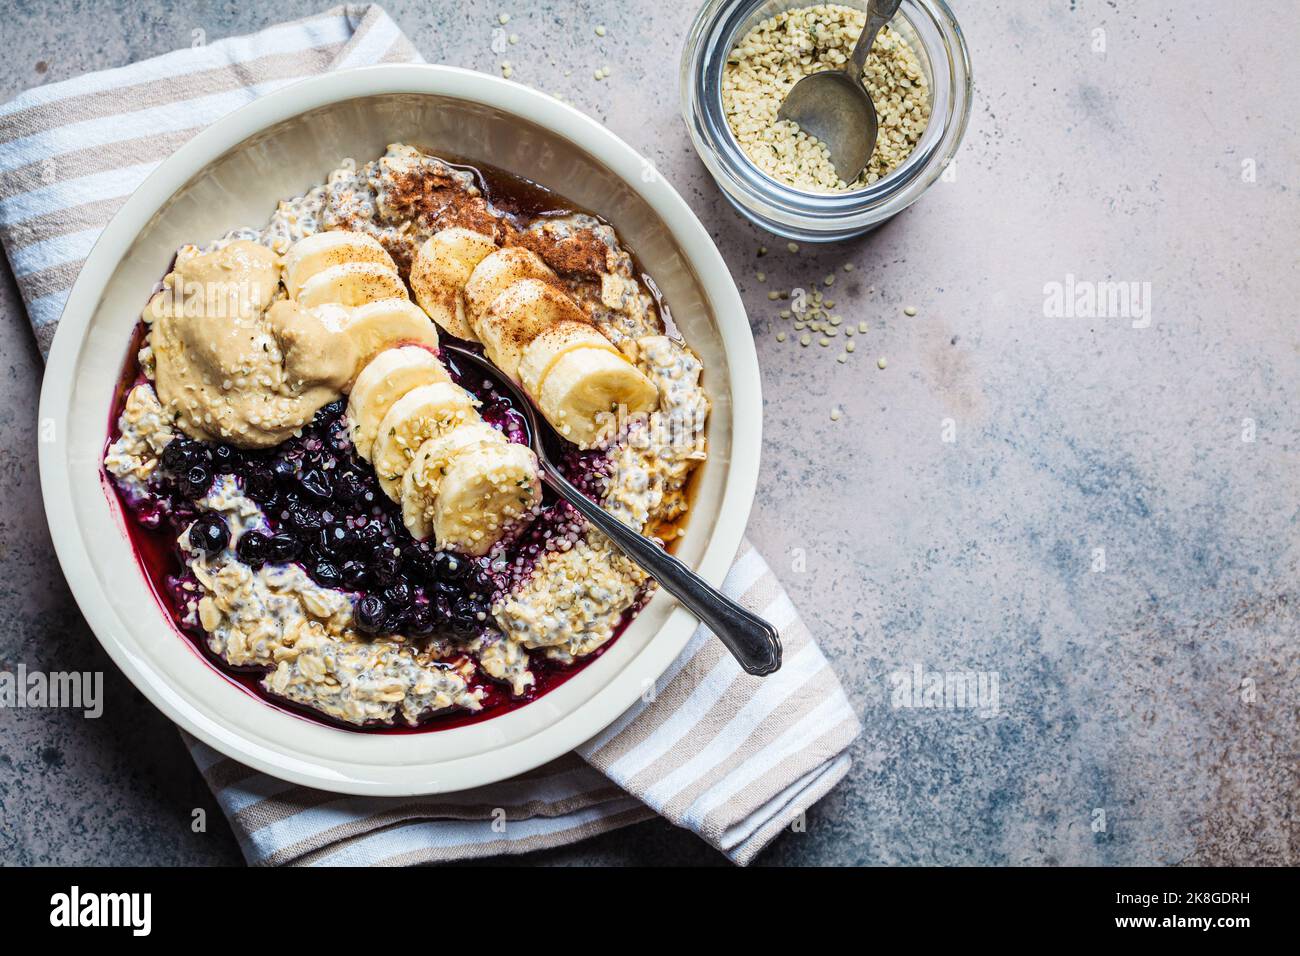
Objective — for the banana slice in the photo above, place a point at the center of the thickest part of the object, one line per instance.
(386, 378)
(585, 389)
(422, 413)
(484, 491)
(351, 283)
(314, 254)
(548, 348)
(387, 323)
(498, 272)
(422, 480)
(439, 272)
(522, 312)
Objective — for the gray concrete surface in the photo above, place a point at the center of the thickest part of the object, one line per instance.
(1147, 711)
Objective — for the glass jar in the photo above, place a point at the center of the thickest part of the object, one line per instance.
(794, 213)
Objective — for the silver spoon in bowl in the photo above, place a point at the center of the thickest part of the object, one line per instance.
(754, 643)
(834, 106)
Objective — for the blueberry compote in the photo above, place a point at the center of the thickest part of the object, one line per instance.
(326, 512)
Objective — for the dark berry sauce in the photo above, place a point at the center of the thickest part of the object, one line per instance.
(327, 513)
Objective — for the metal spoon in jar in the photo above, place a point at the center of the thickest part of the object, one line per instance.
(834, 106)
(754, 643)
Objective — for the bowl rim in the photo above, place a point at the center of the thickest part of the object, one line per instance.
(607, 701)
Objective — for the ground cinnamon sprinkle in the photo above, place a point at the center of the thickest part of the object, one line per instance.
(436, 201)
(581, 252)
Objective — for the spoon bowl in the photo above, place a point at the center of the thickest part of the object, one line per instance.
(838, 111)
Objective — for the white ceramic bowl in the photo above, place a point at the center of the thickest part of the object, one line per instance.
(232, 174)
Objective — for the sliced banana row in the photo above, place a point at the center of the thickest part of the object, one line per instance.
(439, 274)
(465, 488)
(350, 283)
(426, 412)
(389, 375)
(310, 257)
(532, 330)
(457, 478)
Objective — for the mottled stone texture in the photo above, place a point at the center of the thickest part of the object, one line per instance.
(1158, 694)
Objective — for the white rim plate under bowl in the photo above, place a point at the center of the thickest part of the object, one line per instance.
(232, 174)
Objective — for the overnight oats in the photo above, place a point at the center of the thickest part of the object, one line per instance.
(342, 519)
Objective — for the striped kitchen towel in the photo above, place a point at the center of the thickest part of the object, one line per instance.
(732, 757)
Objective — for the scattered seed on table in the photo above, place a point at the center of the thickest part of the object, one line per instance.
(774, 295)
(909, 310)
(514, 38)
(503, 19)
(841, 358)
(848, 267)
(862, 327)
(824, 342)
(762, 250)
(780, 336)
(805, 339)
(600, 31)
(761, 276)
(880, 362)
(792, 246)
(785, 313)
(835, 414)
(829, 280)
(849, 346)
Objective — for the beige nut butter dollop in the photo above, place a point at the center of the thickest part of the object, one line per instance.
(233, 363)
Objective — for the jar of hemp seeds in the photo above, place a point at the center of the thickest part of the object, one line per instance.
(743, 56)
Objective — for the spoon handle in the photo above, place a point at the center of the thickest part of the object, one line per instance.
(754, 643)
(879, 12)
